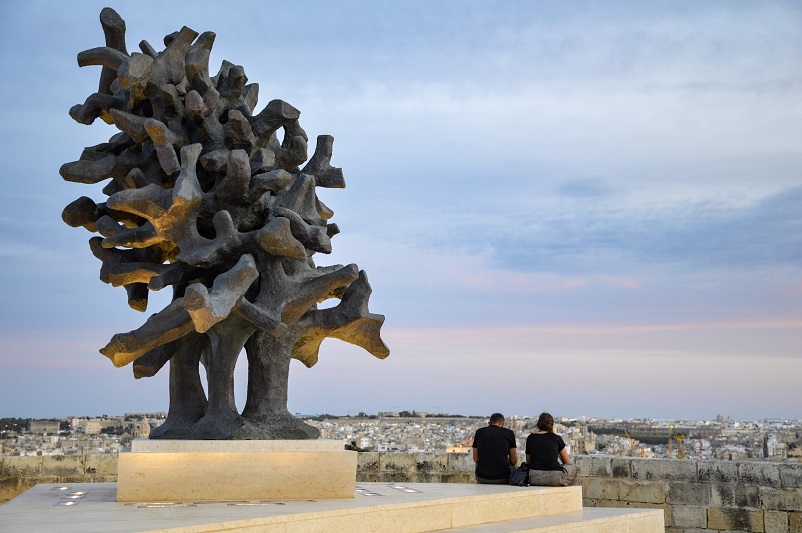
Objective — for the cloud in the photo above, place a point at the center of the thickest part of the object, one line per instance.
(585, 235)
(26, 252)
(606, 238)
(45, 350)
(585, 187)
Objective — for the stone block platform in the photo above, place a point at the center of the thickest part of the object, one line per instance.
(211, 470)
(376, 507)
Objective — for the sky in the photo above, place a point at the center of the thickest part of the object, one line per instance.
(589, 208)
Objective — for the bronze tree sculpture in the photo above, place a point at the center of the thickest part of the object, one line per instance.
(210, 199)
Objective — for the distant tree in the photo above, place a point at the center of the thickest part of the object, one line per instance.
(15, 424)
(353, 447)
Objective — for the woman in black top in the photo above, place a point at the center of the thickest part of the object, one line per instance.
(547, 456)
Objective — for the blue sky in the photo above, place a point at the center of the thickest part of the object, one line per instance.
(598, 205)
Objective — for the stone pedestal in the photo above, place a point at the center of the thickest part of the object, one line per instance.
(180, 471)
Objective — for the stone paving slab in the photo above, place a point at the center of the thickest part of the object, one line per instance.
(408, 507)
(589, 520)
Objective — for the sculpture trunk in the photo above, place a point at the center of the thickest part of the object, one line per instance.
(268, 378)
(187, 399)
(222, 420)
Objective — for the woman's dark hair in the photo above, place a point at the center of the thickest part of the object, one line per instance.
(545, 422)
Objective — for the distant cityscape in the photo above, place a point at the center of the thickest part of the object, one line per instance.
(416, 431)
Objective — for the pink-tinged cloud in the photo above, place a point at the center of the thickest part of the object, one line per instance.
(48, 351)
(777, 337)
(621, 282)
(485, 279)
(573, 283)
(744, 369)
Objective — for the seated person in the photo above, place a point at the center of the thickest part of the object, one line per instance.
(548, 459)
(494, 452)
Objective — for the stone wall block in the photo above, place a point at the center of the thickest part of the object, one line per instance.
(781, 499)
(22, 467)
(718, 472)
(685, 516)
(759, 473)
(722, 495)
(589, 502)
(606, 503)
(398, 462)
(100, 466)
(64, 480)
(63, 465)
(688, 493)
(8, 488)
(795, 522)
(431, 462)
(458, 477)
(775, 521)
(398, 477)
(747, 496)
(651, 492)
(369, 477)
(24, 484)
(594, 465)
(429, 477)
(600, 489)
(735, 519)
(664, 470)
(367, 462)
(791, 475)
(461, 462)
(622, 504)
(622, 467)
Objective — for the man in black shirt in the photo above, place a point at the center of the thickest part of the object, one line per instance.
(494, 452)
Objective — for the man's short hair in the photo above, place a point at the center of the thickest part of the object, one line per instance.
(496, 418)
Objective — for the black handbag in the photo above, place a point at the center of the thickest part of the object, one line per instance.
(520, 476)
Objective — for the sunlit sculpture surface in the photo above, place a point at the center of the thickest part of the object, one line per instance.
(210, 199)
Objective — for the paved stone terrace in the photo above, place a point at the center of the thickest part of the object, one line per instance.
(696, 496)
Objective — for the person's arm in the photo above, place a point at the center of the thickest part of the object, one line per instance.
(514, 456)
(476, 455)
(528, 457)
(565, 457)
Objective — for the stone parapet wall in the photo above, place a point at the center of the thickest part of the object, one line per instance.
(18, 474)
(696, 496)
(699, 496)
(415, 467)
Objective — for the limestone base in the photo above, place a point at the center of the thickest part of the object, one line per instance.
(181, 471)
